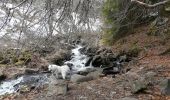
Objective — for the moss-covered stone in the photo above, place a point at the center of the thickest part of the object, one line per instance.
(59, 57)
(13, 56)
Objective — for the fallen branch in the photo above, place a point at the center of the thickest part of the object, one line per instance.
(150, 5)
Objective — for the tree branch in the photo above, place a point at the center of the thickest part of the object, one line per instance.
(18, 5)
(150, 5)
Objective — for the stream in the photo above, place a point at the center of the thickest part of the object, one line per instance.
(11, 86)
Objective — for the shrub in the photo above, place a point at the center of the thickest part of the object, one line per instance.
(122, 17)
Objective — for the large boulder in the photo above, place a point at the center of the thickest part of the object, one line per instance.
(142, 82)
(97, 61)
(59, 57)
(138, 86)
(96, 74)
(57, 89)
(90, 51)
(88, 61)
(103, 57)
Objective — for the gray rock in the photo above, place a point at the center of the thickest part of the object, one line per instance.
(128, 98)
(96, 74)
(57, 89)
(165, 87)
(80, 78)
(142, 81)
(138, 86)
(150, 75)
(86, 71)
(148, 78)
(24, 89)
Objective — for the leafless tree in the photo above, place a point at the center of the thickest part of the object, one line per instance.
(36, 22)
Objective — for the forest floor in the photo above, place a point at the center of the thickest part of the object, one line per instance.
(154, 57)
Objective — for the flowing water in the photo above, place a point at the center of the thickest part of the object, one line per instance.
(78, 60)
(11, 86)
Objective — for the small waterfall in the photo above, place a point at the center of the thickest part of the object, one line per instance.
(78, 60)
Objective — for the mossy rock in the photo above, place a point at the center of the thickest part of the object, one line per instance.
(59, 57)
(25, 55)
(19, 63)
(134, 52)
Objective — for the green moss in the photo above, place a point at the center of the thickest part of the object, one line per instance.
(10, 57)
(134, 51)
(152, 28)
(109, 9)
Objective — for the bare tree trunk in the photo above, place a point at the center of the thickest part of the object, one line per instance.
(50, 18)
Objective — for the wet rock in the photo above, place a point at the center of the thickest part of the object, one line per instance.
(111, 70)
(103, 59)
(165, 87)
(85, 71)
(83, 50)
(59, 57)
(111, 56)
(88, 61)
(97, 61)
(57, 89)
(2, 76)
(80, 78)
(128, 98)
(90, 51)
(31, 71)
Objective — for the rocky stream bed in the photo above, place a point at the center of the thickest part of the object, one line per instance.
(96, 72)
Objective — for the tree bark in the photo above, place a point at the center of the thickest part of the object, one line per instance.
(150, 5)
